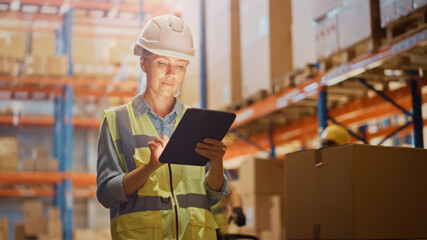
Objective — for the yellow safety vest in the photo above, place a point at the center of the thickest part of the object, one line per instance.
(172, 202)
(218, 211)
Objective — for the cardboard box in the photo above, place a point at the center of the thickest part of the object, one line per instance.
(4, 228)
(40, 153)
(321, 8)
(403, 8)
(40, 165)
(9, 154)
(35, 225)
(419, 3)
(99, 234)
(356, 192)
(13, 45)
(326, 33)
(272, 235)
(276, 213)
(387, 12)
(28, 165)
(43, 44)
(357, 22)
(33, 208)
(19, 231)
(261, 176)
(54, 213)
(54, 229)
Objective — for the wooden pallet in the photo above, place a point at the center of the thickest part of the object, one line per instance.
(293, 78)
(346, 55)
(260, 95)
(405, 26)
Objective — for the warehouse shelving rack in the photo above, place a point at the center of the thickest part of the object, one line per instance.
(62, 91)
(310, 97)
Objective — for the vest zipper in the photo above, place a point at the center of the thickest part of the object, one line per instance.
(173, 200)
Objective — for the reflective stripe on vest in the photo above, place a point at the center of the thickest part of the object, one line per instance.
(139, 204)
(132, 141)
(193, 200)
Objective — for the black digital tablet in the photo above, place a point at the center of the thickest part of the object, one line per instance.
(195, 125)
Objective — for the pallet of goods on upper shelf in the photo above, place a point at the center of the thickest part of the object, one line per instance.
(347, 31)
(296, 77)
(256, 97)
(400, 18)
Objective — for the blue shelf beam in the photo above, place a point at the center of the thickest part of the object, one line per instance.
(203, 83)
(417, 117)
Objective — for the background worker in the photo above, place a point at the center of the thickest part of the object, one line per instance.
(334, 134)
(148, 199)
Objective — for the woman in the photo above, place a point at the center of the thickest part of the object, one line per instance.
(148, 199)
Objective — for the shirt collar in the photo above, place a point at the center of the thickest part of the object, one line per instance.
(140, 106)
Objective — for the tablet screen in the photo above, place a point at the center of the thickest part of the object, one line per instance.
(195, 125)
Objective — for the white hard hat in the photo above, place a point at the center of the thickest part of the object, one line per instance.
(166, 35)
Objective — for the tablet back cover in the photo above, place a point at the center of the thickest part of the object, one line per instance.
(195, 125)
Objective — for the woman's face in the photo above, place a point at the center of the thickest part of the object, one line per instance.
(164, 74)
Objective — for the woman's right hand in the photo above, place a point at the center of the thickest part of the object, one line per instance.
(156, 148)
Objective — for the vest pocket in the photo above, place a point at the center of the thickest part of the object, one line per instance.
(139, 225)
(202, 224)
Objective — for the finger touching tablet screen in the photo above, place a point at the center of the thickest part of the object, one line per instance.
(195, 125)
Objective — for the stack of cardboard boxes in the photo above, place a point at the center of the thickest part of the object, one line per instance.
(36, 225)
(261, 186)
(345, 25)
(392, 10)
(4, 228)
(356, 192)
(43, 61)
(93, 234)
(40, 162)
(8, 154)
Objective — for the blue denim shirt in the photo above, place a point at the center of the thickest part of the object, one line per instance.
(110, 190)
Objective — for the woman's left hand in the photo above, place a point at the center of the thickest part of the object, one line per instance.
(213, 149)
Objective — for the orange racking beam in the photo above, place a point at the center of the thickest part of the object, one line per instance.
(26, 192)
(277, 101)
(29, 177)
(356, 111)
(82, 179)
(84, 122)
(333, 76)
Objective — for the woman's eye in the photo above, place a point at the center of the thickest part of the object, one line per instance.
(162, 64)
(180, 66)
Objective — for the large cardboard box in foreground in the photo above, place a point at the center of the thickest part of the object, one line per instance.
(356, 192)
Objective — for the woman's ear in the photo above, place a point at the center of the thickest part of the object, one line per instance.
(141, 63)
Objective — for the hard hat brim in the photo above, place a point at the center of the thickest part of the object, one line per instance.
(137, 50)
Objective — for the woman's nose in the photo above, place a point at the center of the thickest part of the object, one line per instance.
(170, 70)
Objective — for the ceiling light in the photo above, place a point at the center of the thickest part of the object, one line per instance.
(393, 72)
(15, 5)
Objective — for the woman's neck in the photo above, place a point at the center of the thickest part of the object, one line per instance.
(162, 106)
